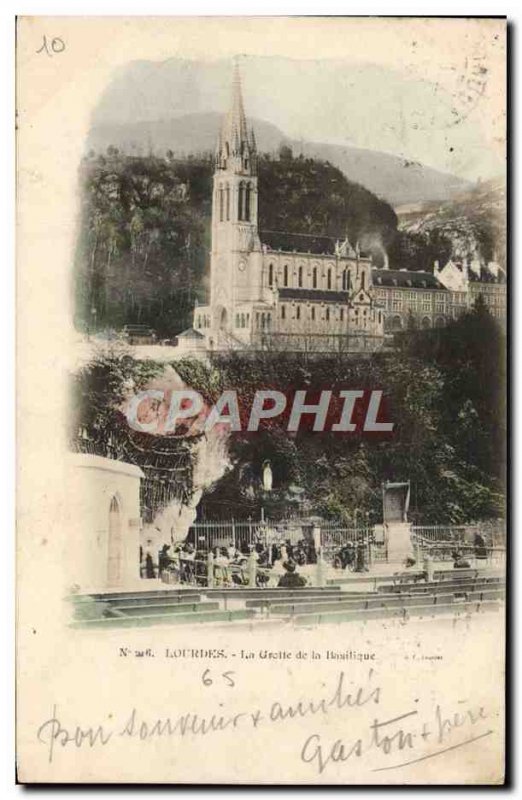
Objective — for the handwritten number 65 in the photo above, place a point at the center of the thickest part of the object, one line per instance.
(207, 680)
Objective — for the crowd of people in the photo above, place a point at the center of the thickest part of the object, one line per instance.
(276, 563)
(186, 563)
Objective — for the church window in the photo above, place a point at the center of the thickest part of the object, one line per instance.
(363, 280)
(327, 315)
(242, 320)
(270, 274)
(344, 284)
(329, 279)
(248, 192)
(257, 319)
(314, 278)
(341, 314)
(300, 277)
(237, 320)
(380, 317)
(285, 275)
(298, 312)
(221, 204)
(283, 312)
(268, 320)
(313, 312)
(227, 202)
(248, 320)
(240, 201)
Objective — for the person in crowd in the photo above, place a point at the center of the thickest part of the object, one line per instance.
(221, 566)
(291, 579)
(187, 559)
(150, 572)
(163, 559)
(479, 546)
(232, 551)
(459, 561)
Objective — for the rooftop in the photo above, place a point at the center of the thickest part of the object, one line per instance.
(406, 279)
(315, 295)
(305, 243)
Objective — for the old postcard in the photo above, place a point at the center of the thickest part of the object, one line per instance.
(262, 296)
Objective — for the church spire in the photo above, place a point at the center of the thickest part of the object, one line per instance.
(236, 148)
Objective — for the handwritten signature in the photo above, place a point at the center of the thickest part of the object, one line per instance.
(399, 737)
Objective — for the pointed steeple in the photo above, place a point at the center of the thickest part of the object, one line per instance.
(236, 147)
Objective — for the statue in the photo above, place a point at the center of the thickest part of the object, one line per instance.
(267, 476)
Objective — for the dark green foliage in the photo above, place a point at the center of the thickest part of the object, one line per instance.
(445, 390)
(143, 242)
(144, 238)
(302, 195)
(99, 427)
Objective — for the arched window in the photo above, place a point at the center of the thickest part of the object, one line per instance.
(268, 320)
(242, 320)
(248, 192)
(300, 277)
(327, 315)
(240, 201)
(298, 312)
(363, 280)
(270, 274)
(314, 278)
(313, 312)
(329, 279)
(237, 320)
(341, 314)
(285, 275)
(227, 202)
(283, 312)
(221, 204)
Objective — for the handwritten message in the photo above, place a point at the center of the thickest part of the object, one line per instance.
(393, 742)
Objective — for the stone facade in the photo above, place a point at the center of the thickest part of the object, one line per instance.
(277, 298)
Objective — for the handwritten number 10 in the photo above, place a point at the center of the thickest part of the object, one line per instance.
(56, 45)
(207, 680)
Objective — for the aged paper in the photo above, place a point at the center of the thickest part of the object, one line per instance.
(261, 400)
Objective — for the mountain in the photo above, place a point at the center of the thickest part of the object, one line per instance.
(472, 223)
(394, 179)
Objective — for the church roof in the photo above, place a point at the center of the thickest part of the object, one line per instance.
(315, 295)
(406, 279)
(190, 333)
(304, 243)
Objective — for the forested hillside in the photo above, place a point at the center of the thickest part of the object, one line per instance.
(143, 246)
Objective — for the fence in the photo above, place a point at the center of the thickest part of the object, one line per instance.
(444, 542)
(298, 539)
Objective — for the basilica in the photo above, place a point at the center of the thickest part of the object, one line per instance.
(274, 298)
(284, 291)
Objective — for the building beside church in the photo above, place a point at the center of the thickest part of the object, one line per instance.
(432, 300)
(287, 291)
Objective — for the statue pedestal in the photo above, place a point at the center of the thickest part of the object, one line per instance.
(399, 542)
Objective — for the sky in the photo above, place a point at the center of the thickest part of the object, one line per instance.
(428, 90)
